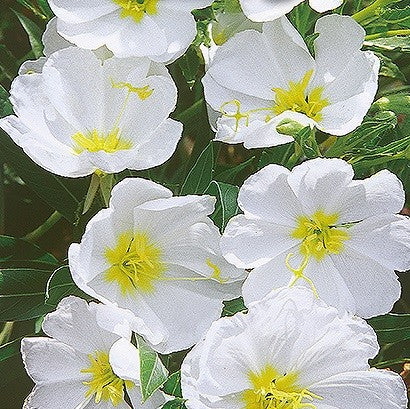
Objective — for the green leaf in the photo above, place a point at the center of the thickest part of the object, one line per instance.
(5, 105)
(389, 68)
(173, 385)
(61, 285)
(177, 403)
(17, 250)
(399, 16)
(306, 138)
(396, 43)
(22, 293)
(34, 33)
(227, 202)
(229, 175)
(391, 328)
(153, 373)
(200, 176)
(232, 307)
(24, 273)
(190, 64)
(11, 364)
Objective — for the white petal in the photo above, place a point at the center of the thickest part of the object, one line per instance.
(251, 243)
(319, 183)
(52, 40)
(384, 238)
(381, 193)
(267, 195)
(375, 288)
(48, 361)
(124, 360)
(74, 323)
(321, 6)
(365, 390)
(267, 10)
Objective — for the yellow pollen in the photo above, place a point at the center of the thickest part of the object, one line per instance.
(105, 385)
(94, 141)
(137, 9)
(297, 98)
(135, 263)
(272, 390)
(320, 235)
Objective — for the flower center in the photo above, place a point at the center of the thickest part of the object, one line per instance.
(137, 8)
(105, 385)
(95, 141)
(296, 98)
(135, 263)
(320, 235)
(274, 391)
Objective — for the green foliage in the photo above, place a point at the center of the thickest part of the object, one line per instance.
(153, 373)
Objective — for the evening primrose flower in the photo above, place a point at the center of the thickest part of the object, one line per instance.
(159, 29)
(290, 351)
(158, 257)
(317, 226)
(81, 114)
(268, 10)
(83, 365)
(258, 80)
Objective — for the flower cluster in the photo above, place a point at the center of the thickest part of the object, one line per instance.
(312, 250)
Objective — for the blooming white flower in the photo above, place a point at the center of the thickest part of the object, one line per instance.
(81, 114)
(257, 80)
(290, 351)
(268, 10)
(83, 365)
(159, 29)
(318, 226)
(158, 257)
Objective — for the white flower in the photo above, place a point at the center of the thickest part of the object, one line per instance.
(257, 80)
(81, 114)
(83, 365)
(159, 29)
(158, 257)
(290, 351)
(268, 10)
(53, 42)
(317, 226)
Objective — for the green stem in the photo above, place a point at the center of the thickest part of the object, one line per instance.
(371, 11)
(390, 33)
(5, 334)
(189, 112)
(44, 228)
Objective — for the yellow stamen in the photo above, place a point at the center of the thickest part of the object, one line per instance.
(272, 390)
(297, 98)
(320, 235)
(105, 385)
(136, 9)
(135, 263)
(142, 92)
(299, 272)
(94, 141)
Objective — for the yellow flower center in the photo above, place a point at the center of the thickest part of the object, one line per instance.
(271, 390)
(320, 235)
(105, 385)
(135, 263)
(137, 8)
(95, 141)
(297, 98)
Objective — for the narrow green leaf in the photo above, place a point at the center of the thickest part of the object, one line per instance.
(177, 403)
(61, 285)
(34, 33)
(200, 176)
(173, 385)
(227, 202)
(153, 373)
(229, 175)
(391, 328)
(11, 364)
(396, 43)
